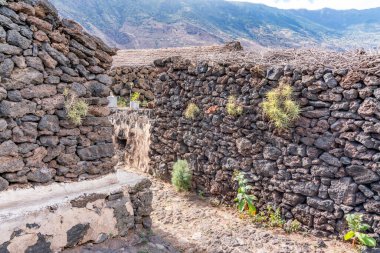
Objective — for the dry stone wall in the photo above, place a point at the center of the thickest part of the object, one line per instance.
(41, 56)
(128, 80)
(325, 166)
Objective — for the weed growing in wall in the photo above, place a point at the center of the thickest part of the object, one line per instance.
(292, 227)
(243, 199)
(181, 176)
(135, 96)
(280, 107)
(357, 227)
(191, 111)
(233, 108)
(76, 108)
(275, 219)
(122, 102)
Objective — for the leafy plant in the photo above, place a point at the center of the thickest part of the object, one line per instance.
(233, 108)
(191, 111)
(292, 227)
(122, 102)
(135, 96)
(244, 199)
(356, 228)
(261, 217)
(181, 175)
(76, 108)
(279, 106)
(275, 219)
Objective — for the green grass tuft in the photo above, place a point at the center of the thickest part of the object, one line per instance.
(233, 108)
(191, 111)
(76, 108)
(181, 176)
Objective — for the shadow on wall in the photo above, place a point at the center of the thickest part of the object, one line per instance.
(132, 137)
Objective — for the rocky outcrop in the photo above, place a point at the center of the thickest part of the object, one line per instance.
(327, 164)
(41, 56)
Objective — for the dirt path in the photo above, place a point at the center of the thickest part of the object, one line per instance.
(187, 223)
(192, 224)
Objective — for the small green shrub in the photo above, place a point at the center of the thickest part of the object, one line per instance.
(191, 111)
(122, 102)
(181, 176)
(294, 226)
(279, 106)
(233, 108)
(261, 217)
(275, 219)
(76, 108)
(243, 199)
(356, 227)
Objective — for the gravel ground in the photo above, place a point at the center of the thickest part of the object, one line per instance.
(191, 224)
(187, 223)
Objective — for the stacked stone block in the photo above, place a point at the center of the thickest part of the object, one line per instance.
(41, 56)
(326, 165)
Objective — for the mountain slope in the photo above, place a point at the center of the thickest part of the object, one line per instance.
(171, 23)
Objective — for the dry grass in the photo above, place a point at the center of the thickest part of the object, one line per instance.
(356, 60)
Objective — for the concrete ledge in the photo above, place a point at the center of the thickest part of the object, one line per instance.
(50, 218)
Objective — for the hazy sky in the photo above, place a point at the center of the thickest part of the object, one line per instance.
(318, 4)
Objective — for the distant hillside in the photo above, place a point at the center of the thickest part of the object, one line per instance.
(173, 23)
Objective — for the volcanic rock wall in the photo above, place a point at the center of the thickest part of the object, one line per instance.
(323, 167)
(134, 79)
(41, 56)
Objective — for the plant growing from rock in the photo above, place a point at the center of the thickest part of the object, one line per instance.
(275, 219)
(357, 227)
(181, 176)
(76, 108)
(192, 110)
(280, 107)
(261, 217)
(122, 102)
(233, 107)
(135, 96)
(244, 200)
(292, 226)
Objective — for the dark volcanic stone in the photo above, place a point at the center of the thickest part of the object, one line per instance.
(343, 191)
(265, 168)
(321, 204)
(3, 184)
(362, 175)
(42, 175)
(329, 159)
(271, 153)
(76, 234)
(49, 123)
(42, 245)
(324, 171)
(96, 152)
(372, 206)
(306, 188)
